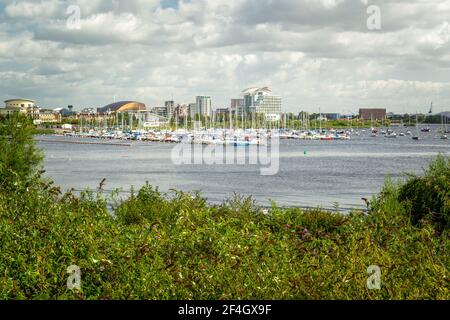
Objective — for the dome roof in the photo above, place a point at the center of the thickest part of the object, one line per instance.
(123, 106)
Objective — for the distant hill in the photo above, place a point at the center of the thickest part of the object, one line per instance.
(445, 113)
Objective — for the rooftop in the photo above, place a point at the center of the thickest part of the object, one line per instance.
(20, 99)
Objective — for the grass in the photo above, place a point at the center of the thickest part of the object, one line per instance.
(154, 245)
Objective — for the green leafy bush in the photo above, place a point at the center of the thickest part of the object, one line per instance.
(428, 197)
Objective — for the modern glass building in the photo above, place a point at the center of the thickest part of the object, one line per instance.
(170, 107)
(261, 100)
(191, 109)
(203, 105)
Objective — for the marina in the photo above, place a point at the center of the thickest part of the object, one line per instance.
(312, 172)
(215, 136)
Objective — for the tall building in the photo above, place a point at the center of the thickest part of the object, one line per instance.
(191, 109)
(203, 106)
(181, 111)
(170, 108)
(237, 106)
(236, 103)
(261, 100)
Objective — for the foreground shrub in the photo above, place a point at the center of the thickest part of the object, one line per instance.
(428, 197)
(178, 247)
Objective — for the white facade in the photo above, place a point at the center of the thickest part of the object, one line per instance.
(151, 120)
(261, 100)
(203, 106)
(20, 103)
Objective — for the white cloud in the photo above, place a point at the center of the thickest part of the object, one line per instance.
(314, 53)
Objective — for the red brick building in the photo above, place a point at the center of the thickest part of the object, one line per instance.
(375, 114)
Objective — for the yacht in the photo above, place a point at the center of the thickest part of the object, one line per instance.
(391, 135)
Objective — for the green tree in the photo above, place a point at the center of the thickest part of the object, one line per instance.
(20, 160)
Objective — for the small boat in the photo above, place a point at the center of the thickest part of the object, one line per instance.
(401, 134)
(391, 135)
(444, 137)
(417, 138)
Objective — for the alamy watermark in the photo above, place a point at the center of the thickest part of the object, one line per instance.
(374, 281)
(74, 279)
(374, 19)
(263, 152)
(74, 20)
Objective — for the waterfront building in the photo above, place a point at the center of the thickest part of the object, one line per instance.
(332, 116)
(191, 109)
(374, 114)
(90, 111)
(170, 108)
(160, 111)
(64, 112)
(181, 111)
(203, 106)
(122, 106)
(149, 120)
(24, 106)
(49, 116)
(222, 112)
(20, 103)
(262, 101)
(236, 104)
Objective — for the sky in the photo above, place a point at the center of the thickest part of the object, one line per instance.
(336, 55)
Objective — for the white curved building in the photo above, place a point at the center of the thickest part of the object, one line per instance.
(20, 103)
(262, 100)
(25, 106)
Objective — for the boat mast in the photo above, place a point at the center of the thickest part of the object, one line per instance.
(320, 120)
(417, 124)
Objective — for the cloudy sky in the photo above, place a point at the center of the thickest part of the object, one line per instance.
(314, 53)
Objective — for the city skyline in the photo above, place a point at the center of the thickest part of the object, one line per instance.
(315, 55)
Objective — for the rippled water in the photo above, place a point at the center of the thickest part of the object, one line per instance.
(329, 172)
